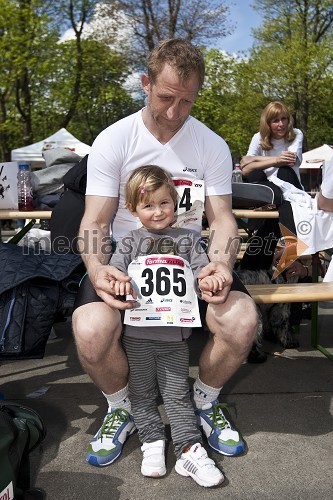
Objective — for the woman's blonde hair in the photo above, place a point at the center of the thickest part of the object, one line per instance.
(143, 182)
(271, 111)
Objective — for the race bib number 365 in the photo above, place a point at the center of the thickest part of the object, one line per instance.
(165, 292)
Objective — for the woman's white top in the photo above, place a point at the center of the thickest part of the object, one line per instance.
(279, 145)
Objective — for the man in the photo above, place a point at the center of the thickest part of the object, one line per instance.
(164, 134)
(325, 196)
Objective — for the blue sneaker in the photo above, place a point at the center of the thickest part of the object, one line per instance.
(221, 435)
(107, 444)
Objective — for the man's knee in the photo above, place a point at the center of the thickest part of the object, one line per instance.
(95, 328)
(237, 320)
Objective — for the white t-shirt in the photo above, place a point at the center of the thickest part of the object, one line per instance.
(279, 145)
(327, 183)
(194, 152)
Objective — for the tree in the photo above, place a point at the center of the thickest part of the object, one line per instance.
(198, 21)
(47, 83)
(78, 12)
(292, 54)
(228, 101)
(102, 100)
(24, 39)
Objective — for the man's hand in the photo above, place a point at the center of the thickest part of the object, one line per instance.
(108, 281)
(215, 281)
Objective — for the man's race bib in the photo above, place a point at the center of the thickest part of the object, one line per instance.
(190, 206)
(165, 292)
(191, 202)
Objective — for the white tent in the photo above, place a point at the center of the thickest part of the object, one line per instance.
(62, 139)
(316, 157)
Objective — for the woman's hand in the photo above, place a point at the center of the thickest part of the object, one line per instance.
(286, 159)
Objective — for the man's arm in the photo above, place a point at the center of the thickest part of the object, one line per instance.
(223, 245)
(223, 241)
(94, 232)
(325, 196)
(325, 203)
(95, 246)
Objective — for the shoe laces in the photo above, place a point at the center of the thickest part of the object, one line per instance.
(219, 420)
(112, 422)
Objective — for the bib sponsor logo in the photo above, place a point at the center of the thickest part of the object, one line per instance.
(135, 318)
(185, 301)
(160, 309)
(168, 261)
(187, 320)
(166, 300)
(187, 169)
(182, 182)
(190, 219)
(153, 318)
(184, 310)
(7, 493)
(149, 301)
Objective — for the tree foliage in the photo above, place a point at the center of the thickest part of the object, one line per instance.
(290, 61)
(293, 55)
(48, 82)
(25, 41)
(199, 21)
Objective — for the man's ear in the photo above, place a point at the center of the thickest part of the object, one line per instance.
(145, 82)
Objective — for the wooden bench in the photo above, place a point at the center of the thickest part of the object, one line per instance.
(296, 292)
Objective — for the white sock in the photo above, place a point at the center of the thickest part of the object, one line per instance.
(203, 394)
(119, 399)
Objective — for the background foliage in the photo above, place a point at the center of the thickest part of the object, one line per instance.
(85, 82)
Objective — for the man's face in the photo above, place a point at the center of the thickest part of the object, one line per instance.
(169, 99)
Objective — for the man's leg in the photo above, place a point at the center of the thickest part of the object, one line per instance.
(233, 327)
(97, 330)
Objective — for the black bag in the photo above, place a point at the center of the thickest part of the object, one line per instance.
(67, 214)
(34, 289)
(248, 195)
(21, 431)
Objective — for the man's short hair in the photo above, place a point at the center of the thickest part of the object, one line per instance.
(181, 55)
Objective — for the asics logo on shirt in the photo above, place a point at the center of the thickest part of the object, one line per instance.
(186, 169)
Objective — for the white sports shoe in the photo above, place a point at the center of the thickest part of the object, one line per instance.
(196, 463)
(153, 462)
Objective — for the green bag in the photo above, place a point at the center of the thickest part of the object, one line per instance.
(21, 431)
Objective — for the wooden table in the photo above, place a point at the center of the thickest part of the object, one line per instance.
(17, 214)
(33, 214)
(46, 214)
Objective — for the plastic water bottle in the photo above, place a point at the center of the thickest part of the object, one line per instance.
(24, 188)
(237, 175)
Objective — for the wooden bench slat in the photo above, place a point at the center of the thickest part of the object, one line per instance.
(291, 292)
(255, 214)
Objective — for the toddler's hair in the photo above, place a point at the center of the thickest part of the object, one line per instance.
(144, 181)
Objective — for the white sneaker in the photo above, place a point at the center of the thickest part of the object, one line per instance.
(196, 463)
(153, 462)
